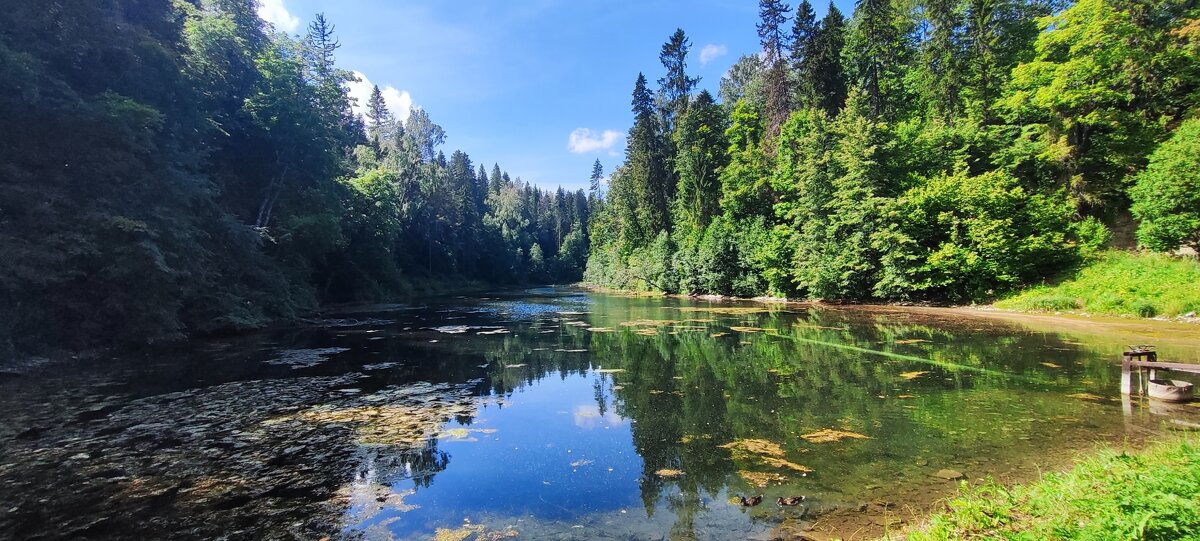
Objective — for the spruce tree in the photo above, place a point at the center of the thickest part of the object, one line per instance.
(596, 178)
(646, 158)
(702, 153)
(379, 118)
(943, 56)
(775, 39)
(873, 50)
(805, 30)
(676, 85)
(829, 82)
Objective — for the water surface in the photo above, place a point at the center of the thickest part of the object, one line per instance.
(555, 413)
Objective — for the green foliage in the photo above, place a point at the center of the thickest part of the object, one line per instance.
(1085, 101)
(1121, 284)
(1150, 495)
(745, 190)
(1166, 197)
(962, 237)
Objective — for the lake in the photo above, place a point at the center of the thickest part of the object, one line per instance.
(558, 413)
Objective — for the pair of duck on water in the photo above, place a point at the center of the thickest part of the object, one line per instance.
(755, 500)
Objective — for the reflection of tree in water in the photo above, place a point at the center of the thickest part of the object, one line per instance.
(389, 465)
(688, 393)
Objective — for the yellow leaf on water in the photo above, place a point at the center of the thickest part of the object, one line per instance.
(912, 341)
(669, 473)
(913, 375)
(1050, 365)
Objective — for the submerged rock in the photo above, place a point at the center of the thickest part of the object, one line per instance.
(949, 475)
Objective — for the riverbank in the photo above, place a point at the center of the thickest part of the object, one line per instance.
(1131, 285)
(1152, 494)
(1118, 283)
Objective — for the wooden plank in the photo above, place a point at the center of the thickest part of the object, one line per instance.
(1183, 367)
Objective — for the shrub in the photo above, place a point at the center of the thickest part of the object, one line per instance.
(1166, 196)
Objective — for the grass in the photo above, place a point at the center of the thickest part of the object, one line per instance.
(1150, 495)
(1120, 284)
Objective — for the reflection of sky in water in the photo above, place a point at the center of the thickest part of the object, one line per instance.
(588, 416)
(526, 467)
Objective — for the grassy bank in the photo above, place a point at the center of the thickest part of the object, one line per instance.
(1152, 495)
(1120, 284)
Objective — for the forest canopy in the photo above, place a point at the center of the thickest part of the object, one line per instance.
(929, 150)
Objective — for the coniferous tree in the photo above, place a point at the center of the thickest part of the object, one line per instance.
(873, 52)
(596, 178)
(829, 82)
(775, 40)
(703, 152)
(676, 85)
(943, 56)
(805, 30)
(648, 164)
(379, 118)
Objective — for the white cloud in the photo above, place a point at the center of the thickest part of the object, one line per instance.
(710, 52)
(399, 102)
(274, 12)
(583, 140)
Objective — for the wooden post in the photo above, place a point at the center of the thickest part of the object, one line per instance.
(1126, 376)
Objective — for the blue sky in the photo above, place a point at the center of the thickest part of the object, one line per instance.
(511, 81)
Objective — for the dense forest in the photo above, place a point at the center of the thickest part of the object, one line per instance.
(170, 167)
(921, 150)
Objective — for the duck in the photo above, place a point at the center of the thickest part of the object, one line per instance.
(790, 501)
(751, 501)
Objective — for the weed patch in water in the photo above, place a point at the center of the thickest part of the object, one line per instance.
(830, 435)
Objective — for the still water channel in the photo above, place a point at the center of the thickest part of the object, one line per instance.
(555, 414)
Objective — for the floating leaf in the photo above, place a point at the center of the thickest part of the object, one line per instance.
(913, 375)
(913, 341)
(669, 473)
(1050, 365)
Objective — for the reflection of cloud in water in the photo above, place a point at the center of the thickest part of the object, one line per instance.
(589, 416)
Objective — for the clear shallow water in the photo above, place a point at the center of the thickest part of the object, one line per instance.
(553, 413)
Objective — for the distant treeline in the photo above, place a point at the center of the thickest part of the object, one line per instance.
(170, 167)
(945, 150)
